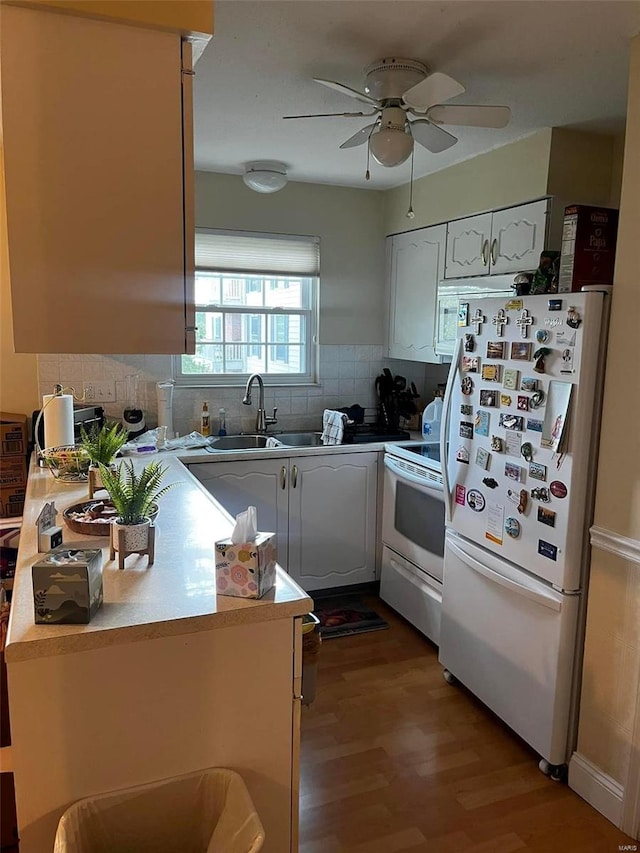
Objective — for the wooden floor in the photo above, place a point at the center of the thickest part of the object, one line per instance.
(394, 759)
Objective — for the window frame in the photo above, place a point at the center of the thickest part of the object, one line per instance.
(311, 320)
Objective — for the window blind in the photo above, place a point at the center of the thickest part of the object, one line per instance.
(237, 251)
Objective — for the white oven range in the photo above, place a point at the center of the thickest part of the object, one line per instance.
(413, 534)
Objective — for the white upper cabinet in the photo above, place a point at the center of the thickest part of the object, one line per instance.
(505, 241)
(416, 264)
(98, 164)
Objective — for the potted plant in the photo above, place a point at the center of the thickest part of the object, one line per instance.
(101, 445)
(133, 496)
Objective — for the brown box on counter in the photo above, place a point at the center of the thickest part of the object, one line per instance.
(588, 247)
(13, 434)
(12, 501)
(13, 471)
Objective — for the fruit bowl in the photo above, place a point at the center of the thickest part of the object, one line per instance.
(94, 518)
(68, 463)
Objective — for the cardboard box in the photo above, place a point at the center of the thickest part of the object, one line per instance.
(67, 586)
(13, 471)
(247, 570)
(588, 247)
(12, 501)
(13, 434)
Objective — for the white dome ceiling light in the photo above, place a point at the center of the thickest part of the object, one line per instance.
(265, 176)
(391, 144)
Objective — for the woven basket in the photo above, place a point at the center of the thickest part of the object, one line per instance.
(99, 527)
(68, 463)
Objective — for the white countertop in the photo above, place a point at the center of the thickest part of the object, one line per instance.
(176, 595)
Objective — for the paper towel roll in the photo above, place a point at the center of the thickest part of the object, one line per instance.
(58, 419)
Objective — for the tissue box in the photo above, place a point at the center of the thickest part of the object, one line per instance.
(67, 586)
(247, 570)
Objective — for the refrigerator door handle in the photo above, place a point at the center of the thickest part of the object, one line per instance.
(444, 427)
(539, 597)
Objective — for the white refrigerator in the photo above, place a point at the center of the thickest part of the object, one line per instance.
(519, 450)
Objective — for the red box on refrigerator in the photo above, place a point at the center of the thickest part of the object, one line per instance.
(588, 247)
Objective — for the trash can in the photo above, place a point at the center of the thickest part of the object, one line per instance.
(209, 811)
(311, 640)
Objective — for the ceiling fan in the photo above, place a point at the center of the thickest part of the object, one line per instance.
(398, 88)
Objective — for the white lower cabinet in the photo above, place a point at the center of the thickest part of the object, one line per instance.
(322, 509)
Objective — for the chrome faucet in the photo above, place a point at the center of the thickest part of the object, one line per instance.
(262, 419)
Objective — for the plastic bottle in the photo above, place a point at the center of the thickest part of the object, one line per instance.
(205, 422)
(431, 418)
(222, 429)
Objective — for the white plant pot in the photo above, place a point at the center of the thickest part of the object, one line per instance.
(135, 536)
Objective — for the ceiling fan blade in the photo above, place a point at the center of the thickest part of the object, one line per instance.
(434, 138)
(353, 93)
(471, 116)
(360, 137)
(325, 115)
(434, 89)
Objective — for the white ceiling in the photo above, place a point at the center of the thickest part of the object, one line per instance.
(554, 63)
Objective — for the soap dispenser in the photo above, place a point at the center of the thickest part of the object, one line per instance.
(222, 429)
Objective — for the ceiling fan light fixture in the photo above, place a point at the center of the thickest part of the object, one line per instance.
(390, 146)
(265, 176)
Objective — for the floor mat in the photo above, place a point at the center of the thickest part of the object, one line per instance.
(342, 615)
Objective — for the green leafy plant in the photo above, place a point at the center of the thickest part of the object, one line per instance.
(103, 443)
(133, 494)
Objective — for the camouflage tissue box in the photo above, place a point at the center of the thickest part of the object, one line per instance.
(67, 586)
(248, 569)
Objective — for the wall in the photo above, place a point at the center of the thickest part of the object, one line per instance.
(349, 224)
(507, 175)
(612, 651)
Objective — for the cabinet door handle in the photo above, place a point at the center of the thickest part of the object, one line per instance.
(283, 478)
(485, 252)
(494, 252)
(294, 476)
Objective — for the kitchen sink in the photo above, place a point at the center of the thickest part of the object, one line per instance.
(239, 442)
(300, 439)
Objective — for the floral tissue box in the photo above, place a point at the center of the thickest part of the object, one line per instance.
(248, 569)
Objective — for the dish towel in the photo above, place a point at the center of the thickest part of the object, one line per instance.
(272, 441)
(333, 426)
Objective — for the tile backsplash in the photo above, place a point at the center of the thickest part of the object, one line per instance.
(346, 376)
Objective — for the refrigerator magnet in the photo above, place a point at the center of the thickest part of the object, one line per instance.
(490, 482)
(461, 494)
(546, 516)
(495, 349)
(528, 383)
(510, 380)
(523, 322)
(513, 472)
(512, 527)
(481, 424)
(469, 364)
(546, 549)
(541, 493)
(477, 321)
(520, 499)
(558, 489)
(466, 429)
(475, 500)
(523, 403)
(491, 372)
(482, 458)
(466, 386)
(500, 321)
(526, 451)
(514, 305)
(495, 521)
(537, 399)
(521, 350)
(469, 343)
(537, 471)
(511, 422)
(505, 400)
(463, 314)
(462, 455)
(466, 409)
(542, 336)
(534, 425)
(488, 398)
(512, 444)
(567, 360)
(497, 444)
(540, 355)
(555, 305)
(574, 320)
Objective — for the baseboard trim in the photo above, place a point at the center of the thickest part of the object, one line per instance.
(608, 540)
(599, 790)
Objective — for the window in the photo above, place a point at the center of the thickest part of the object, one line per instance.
(256, 308)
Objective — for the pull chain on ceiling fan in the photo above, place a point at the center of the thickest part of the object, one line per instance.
(398, 88)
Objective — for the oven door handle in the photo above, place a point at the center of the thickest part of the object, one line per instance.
(401, 474)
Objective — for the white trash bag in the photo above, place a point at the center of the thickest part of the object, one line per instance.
(209, 811)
